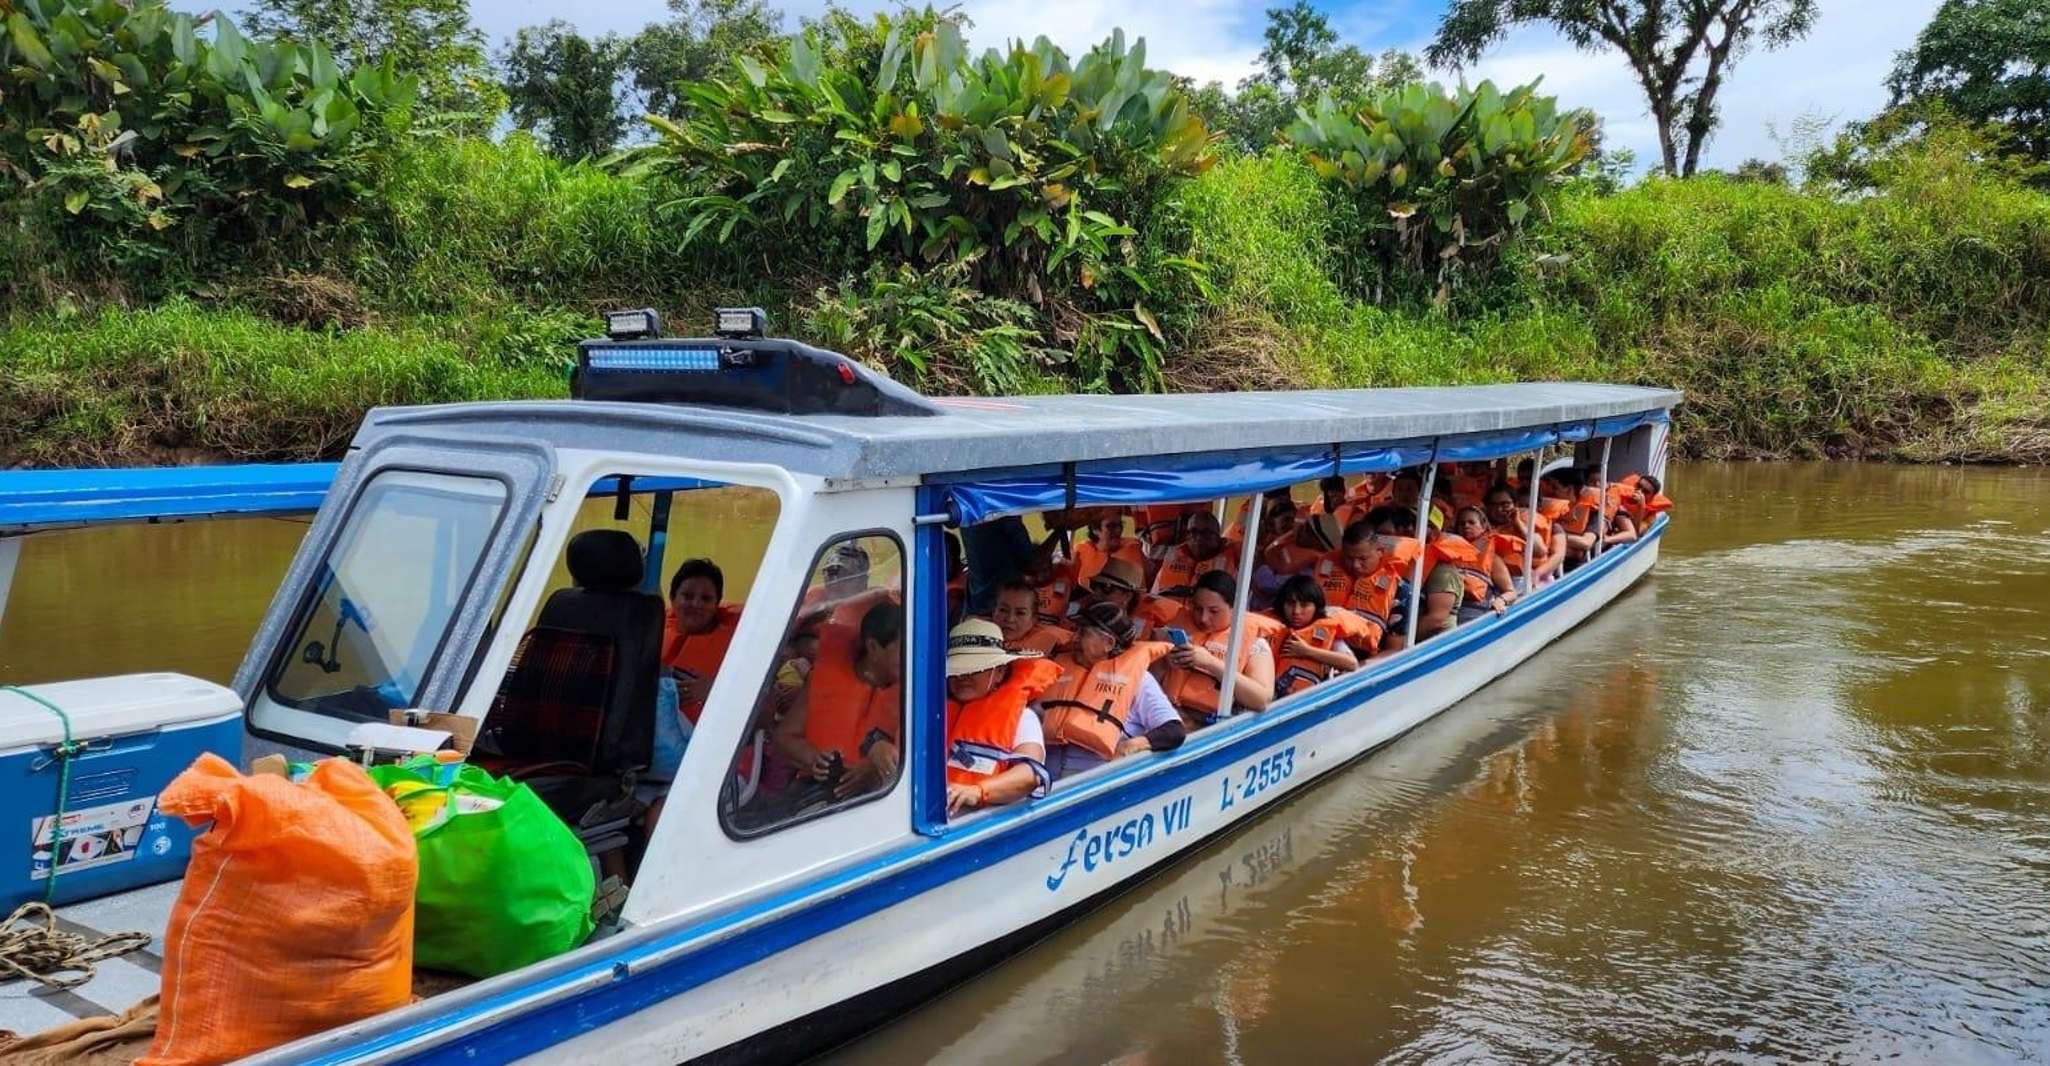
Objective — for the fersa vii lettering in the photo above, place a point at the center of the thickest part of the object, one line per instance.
(1093, 847)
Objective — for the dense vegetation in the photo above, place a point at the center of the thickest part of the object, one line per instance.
(270, 241)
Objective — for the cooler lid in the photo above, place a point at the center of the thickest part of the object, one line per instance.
(111, 706)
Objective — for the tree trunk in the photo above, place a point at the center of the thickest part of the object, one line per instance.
(1669, 155)
(1701, 117)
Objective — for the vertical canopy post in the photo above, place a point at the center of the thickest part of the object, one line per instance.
(1601, 503)
(1537, 464)
(1228, 684)
(1423, 544)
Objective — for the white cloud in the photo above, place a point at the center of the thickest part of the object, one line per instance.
(1836, 72)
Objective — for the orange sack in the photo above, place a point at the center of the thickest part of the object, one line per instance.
(296, 914)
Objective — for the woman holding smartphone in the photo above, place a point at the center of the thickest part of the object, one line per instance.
(1193, 671)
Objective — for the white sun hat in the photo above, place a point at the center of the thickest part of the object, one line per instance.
(977, 645)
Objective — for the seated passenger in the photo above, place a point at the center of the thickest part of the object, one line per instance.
(1511, 526)
(1313, 539)
(1106, 704)
(845, 570)
(1334, 500)
(1497, 587)
(1467, 483)
(1315, 647)
(1106, 541)
(1017, 617)
(1582, 517)
(697, 632)
(995, 751)
(1272, 500)
(1408, 488)
(1193, 671)
(1365, 576)
(1120, 585)
(841, 730)
(1053, 587)
(1160, 525)
(1277, 528)
(1200, 552)
(1646, 500)
(1444, 585)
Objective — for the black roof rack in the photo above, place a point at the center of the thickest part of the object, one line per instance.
(756, 374)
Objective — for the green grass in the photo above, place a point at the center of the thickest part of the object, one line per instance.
(178, 380)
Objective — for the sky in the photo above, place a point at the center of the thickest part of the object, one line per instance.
(1835, 74)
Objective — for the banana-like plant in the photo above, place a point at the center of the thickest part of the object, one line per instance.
(128, 113)
(1439, 179)
(1017, 164)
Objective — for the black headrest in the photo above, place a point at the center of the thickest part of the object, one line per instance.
(605, 560)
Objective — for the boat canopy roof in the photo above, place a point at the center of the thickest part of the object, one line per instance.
(1010, 454)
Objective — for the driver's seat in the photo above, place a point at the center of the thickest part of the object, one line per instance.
(575, 717)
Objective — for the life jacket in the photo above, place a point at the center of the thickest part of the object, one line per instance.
(1508, 543)
(1657, 504)
(842, 710)
(1503, 546)
(1294, 674)
(1554, 508)
(1089, 558)
(1150, 614)
(1089, 706)
(1468, 488)
(1160, 524)
(698, 654)
(1195, 693)
(1452, 549)
(1620, 497)
(1371, 597)
(1580, 513)
(1041, 638)
(1052, 598)
(982, 734)
(1178, 572)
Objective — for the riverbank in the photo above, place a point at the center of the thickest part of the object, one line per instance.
(1911, 322)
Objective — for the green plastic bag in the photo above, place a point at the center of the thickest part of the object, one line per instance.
(503, 882)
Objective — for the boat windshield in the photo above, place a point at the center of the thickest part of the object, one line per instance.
(384, 596)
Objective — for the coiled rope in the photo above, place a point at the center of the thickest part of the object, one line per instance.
(44, 953)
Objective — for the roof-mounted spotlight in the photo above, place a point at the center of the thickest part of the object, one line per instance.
(740, 323)
(633, 325)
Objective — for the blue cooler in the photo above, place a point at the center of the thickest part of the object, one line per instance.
(139, 731)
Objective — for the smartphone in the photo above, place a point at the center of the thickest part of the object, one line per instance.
(1176, 637)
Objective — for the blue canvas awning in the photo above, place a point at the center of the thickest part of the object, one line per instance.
(975, 498)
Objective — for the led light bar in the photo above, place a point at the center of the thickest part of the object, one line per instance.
(739, 322)
(654, 360)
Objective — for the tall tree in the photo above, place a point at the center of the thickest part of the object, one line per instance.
(1680, 50)
(1302, 61)
(567, 87)
(432, 39)
(1985, 61)
(698, 41)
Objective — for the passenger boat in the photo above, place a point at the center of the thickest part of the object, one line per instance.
(762, 931)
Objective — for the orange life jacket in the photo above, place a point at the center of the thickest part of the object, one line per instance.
(1469, 488)
(1195, 693)
(699, 654)
(1507, 547)
(1450, 548)
(1089, 558)
(1509, 543)
(1161, 523)
(1178, 572)
(1580, 513)
(1041, 638)
(1089, 706)
(842, 710)
(1293, 673)
(1052, 598)
(1371, 597)
(982, 734)
(1554, 508)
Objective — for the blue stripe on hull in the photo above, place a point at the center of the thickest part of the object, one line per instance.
(1008, 834)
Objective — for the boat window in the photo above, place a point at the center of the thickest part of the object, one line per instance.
(400, 567)
(616, 665)
(830, 716)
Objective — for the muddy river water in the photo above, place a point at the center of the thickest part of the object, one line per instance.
(1787, 799)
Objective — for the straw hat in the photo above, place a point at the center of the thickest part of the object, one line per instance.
(977, 645)
(1323, 529)
(1120, 574)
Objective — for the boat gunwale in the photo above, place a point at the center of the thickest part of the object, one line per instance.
(679, 939)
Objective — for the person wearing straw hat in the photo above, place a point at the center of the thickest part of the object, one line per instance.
(996, 751)
(1122, 583)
